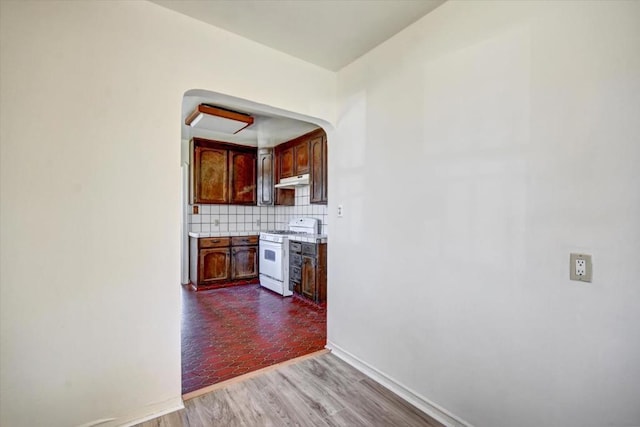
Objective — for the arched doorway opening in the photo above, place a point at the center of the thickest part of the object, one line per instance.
(229, 330)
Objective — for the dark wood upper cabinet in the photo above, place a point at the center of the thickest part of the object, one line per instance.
(325, 175)
(223, 173)
(281, 196)
(285, 197)
(287, 163)
(294, 157)
(304, 154)
(242, 177)
(265, 177)
(301, 156)
(210, 175)
(318, 169)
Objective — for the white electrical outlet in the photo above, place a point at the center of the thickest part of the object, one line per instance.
(580, 267)
(340, 211)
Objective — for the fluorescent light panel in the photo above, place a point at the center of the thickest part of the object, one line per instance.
(218, 119)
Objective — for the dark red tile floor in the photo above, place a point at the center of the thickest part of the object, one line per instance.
(231, 331)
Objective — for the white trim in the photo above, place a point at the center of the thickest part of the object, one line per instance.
(141, 415)
(420, 402)
(184, 248)
(150, 412)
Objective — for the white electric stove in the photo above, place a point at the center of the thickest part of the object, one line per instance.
(274, 253)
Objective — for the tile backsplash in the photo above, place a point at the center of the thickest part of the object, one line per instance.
(229, 218)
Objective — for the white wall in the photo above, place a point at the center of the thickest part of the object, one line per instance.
(483, 145)
(91, 94)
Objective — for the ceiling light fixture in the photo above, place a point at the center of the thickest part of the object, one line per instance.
(218, 119)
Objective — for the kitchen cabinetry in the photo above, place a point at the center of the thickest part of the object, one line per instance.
(213, 265)
(302, 155)
(210, 260)
(308, 270)
(286, 162)
(294, 157)
(318, 148)
(219, 261)
(242, 176)
(244, 257)
(222, 173)
(265, 177)
(283, 196)
(210, 174)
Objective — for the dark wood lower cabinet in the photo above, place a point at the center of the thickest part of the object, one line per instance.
(308, 285)
(213, 265)
(308, 270)
(244, 262)
(219, 261)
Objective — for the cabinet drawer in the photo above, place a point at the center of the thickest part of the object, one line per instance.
(213, 242)
(244, 240)
(295, 259)
(309, 249)
(295, 274)
(295, 247)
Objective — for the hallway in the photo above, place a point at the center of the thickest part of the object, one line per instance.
(321, 390)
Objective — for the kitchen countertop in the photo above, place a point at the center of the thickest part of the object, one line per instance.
(309, 238)
(199, 234)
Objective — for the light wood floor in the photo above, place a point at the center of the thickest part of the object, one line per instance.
(318, 391)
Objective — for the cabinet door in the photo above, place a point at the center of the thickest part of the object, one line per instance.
(242, 169)
(210, 175)
(301, 156)
(317, 169)
(244, 262)
(265, 177)
(286, 163)
(285, 197)
(325, 171)
(213, 265)
(282, 196)
(308, 285)
(321, 273)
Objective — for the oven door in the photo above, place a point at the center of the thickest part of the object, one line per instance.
(271, 262)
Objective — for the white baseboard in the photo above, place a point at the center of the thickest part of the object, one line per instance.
(420, 402)
(152, 411)
(141, 415)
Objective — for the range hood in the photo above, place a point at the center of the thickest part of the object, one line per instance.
(218, 119)
(294, 181)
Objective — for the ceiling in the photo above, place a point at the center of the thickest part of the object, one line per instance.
(267, 130)
(328, 33)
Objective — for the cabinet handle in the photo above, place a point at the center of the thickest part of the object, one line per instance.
(216, 241)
